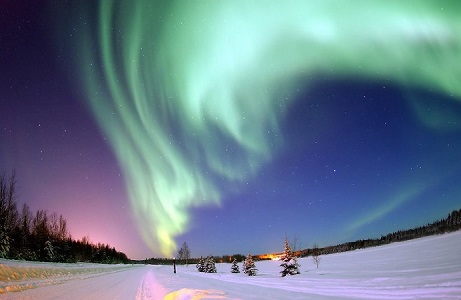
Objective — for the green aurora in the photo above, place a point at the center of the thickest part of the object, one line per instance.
(171, 84)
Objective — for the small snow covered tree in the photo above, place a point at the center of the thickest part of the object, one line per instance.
(4, 243)
(210, 265)
(235, 267)
(249, 266)
(201, 267)
(289, 262)
(49, 250)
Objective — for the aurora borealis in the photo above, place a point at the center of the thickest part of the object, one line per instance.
(242, 111)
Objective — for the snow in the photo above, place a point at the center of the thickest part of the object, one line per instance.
(427, 268)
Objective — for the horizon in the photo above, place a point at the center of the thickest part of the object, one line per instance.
(354, 247)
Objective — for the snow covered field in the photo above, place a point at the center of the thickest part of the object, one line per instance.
(427, 268)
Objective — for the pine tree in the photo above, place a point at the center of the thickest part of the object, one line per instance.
(4, 243)
(210, 265)
(49, 250)
(289, 262)
(235, 267)
(249, 267)
(201, 265)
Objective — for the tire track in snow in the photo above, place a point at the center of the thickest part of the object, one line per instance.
(150, 289)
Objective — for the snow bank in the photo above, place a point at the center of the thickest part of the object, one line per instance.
(17, 276)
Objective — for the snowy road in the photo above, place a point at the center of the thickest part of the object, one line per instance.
(97, 282)
(141, 282)
(428, 268)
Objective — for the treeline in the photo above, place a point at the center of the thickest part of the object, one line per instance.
(449, 224)
(41, 236)
(191, 261)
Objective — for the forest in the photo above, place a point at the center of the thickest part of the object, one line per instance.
(43, 236)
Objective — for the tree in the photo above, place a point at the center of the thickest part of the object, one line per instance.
(184, 254)
(62, 231)
(49, 251)
(24, 228)
(316, 255)
(295, 244)
(210, 265)
(4, 243)
(8, 212)
(41, 232)
(235, 267)
(201, 267)
(249, 266)
(289, 262)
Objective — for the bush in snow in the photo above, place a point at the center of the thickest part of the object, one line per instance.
(289, 262)
(249, 267)
(235, 267)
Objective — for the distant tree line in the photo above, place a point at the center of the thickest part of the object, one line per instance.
(449, 224)
(41, 236)
(193, 261)
(184, 257)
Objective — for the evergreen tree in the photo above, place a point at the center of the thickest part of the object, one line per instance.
(289, 262)
(49, 250)
(235, 267)
(210, 265)
(4, 243)
(201, 267)
(249, 267)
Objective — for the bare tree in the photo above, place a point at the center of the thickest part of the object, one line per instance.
(184, 254)
(25, 224)
(26, 220)
(316, 255)
(53, 226)
(296, 245)
(62, 228)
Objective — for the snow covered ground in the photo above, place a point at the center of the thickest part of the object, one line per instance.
(428, 268)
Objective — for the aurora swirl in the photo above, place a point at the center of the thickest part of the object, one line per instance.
(191, 94)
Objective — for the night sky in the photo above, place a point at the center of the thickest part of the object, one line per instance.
(232, 125)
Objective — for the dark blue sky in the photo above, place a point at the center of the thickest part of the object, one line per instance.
(355, 157)
(354, 150)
